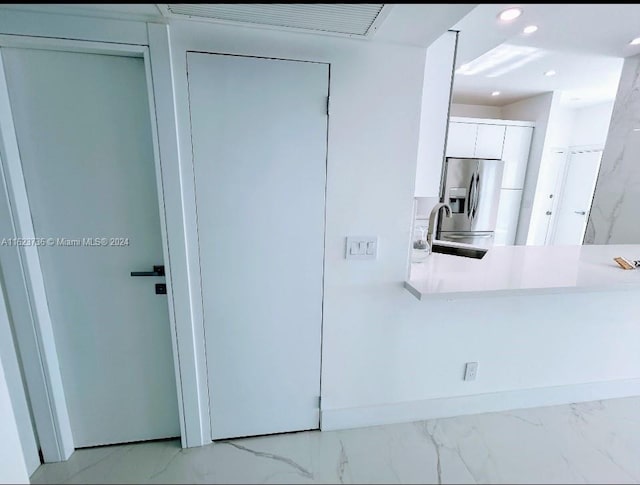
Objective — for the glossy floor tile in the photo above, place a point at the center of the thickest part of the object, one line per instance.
(594, 442)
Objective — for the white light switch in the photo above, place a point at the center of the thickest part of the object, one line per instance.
(371, 248)
(354, 248)
(361, 247)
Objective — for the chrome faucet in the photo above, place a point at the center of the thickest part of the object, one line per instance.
(433, 221)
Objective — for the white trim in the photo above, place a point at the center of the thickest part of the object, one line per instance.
(585, 148)
(165, 238)
(84, 46)
(51, 25)
(177, 136)
(13, 376)
(345, 418)
(186, 296)
(490, 121)
(73, 9)
(51, 416)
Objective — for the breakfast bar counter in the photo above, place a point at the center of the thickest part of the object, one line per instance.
(513, 270)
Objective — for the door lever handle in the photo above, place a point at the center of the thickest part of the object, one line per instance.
(581, 213)
(157, 271)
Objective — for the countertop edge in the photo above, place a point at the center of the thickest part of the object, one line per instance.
(551, 290)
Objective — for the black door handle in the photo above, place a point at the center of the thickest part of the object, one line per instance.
(157, 271)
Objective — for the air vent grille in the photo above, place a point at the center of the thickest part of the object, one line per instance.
(340, 18)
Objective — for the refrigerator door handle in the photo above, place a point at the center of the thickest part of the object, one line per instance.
(470, 197)
(476, 194)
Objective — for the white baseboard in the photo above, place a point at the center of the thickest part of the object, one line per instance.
(404, 412)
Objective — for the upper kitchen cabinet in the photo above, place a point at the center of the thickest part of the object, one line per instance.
(461, 140)
(515, 153)
(434, 114)
(489, 141)
(475, 140)
(502, 139)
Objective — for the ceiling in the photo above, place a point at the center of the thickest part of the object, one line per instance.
(408, 24)
(584, 43)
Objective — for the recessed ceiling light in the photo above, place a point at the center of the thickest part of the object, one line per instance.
(530, 29)
(495, 93)
(550, 72)
(635, 41)
(510, 14)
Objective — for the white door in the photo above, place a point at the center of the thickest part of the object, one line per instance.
(461, 139)
(552, 169)
(84, 134)
(577, 194)
(489, 141)
(259, 134)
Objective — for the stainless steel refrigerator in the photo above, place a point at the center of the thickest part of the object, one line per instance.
(471, 187)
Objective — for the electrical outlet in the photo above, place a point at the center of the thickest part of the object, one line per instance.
(470, 371)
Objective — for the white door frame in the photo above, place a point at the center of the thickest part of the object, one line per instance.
(51, 417)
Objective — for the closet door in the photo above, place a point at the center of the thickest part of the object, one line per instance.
(84, 133)
(259, 134)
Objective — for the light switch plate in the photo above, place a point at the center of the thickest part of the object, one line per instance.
(361, 247)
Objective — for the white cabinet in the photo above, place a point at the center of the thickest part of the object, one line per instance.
(434, 114)
(508, 213)
(489, 141)
(461, 140)
(515, 153)
(475, 140)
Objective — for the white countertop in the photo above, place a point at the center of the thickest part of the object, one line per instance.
(511, 270)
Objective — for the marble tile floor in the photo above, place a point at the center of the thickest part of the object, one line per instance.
(593, 442)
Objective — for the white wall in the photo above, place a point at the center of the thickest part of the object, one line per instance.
(477, 111)
(560, 127)
(13, 468)
(438, 76)
(614, 213)
(372, 152)
(380, 344)
(591, 124)
(537, 109)
(550, 175)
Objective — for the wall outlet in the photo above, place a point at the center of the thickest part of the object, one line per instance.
(470, 371)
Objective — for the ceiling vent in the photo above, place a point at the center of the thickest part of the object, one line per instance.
(350, 19)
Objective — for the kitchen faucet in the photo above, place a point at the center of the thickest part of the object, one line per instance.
(433, 221)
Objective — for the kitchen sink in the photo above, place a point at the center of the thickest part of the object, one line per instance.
(476, 253)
